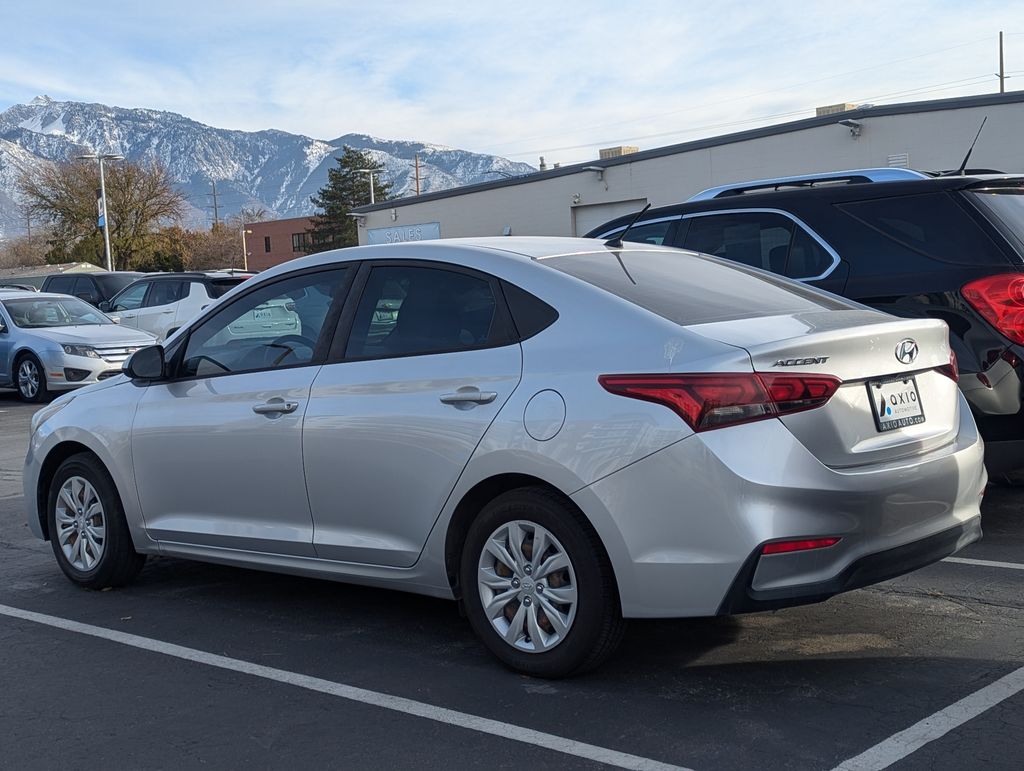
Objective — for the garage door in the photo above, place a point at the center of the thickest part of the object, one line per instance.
(586, 218)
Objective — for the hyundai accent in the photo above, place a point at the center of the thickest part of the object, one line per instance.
(559, 433)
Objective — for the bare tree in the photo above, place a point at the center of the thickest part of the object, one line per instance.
(140, 199)
(24, 251)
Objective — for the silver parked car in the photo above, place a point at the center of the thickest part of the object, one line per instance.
(558, 432)
(53, 342)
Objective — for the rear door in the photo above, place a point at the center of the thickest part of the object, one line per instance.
(422, 366)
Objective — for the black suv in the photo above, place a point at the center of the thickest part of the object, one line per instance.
(94, 288)
(905, 242)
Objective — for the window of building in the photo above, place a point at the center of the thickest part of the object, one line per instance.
(300, 242)
(266, 244)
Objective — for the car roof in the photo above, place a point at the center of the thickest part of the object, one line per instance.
(788, 194)
(8, 294)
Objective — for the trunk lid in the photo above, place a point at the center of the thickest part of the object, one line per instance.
(862, 348)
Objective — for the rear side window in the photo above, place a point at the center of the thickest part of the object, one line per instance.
(165, 293)
(87, 287)
(933, 224)
(690, 289)
(59, 284)
(656, 233)
(407, 310)
(758, 239)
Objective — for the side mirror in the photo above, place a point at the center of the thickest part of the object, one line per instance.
(145, 364)
(104, 306)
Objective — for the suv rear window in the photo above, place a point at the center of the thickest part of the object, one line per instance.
(933, 224)
(691, 289)
(219, 287)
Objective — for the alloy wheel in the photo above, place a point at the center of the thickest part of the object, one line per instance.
(527, 586)
(81, 524)
(28, 379)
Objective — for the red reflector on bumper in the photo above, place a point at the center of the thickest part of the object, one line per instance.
(804, 544)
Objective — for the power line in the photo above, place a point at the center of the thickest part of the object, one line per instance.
(733, 99)
(946, 86)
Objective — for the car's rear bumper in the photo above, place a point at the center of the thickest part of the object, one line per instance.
(870, 569)
(680, 526)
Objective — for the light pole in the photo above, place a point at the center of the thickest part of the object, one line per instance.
(245, 253)
(103, 198)
(370, 173)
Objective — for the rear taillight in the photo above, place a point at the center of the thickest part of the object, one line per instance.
(1000, 301)
(707, 401)
(951, 370)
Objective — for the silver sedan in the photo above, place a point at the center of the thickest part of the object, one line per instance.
(559, 433)
(55, 342)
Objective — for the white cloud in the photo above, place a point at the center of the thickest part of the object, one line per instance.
(529, 79)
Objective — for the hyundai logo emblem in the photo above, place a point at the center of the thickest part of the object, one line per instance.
(906, 351)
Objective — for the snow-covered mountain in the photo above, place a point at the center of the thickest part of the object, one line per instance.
(271, 169)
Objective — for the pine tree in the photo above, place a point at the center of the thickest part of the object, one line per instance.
(348, 186)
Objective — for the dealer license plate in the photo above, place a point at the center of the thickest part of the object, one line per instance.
(896, 403)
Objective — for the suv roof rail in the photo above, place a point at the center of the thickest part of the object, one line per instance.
(853, 176)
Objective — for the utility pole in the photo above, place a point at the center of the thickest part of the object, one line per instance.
(369, 173)
(102, 220)
(245, 252)
(1002, 72)
(417, 173)
(28, 224)
(216, 209)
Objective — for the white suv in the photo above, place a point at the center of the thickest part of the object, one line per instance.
(160, 304)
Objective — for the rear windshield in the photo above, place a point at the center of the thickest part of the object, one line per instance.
(219, 287)
(693, 289)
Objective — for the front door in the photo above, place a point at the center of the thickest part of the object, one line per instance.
(218, 448)
(124, 309)
(428, 364)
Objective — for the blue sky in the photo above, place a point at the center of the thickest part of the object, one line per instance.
(519, 79)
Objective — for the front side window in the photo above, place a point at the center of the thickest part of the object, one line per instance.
(48, 312)
(758, 239)
(85, 289)
(278, 325)
(131, 298)
(412, 310)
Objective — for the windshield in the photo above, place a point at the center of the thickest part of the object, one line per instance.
(53, 312)
(1007, 205)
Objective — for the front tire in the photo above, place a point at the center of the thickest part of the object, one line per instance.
(88, 531)
(538, 587)
(30, 380)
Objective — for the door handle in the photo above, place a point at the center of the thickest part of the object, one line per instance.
(469, 396)
(169, 311)
(275, 407)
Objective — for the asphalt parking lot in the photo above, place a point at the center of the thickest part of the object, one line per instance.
(205, 666)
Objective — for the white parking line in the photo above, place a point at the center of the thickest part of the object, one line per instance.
(898, 746)
(986, 563)
(361, 695)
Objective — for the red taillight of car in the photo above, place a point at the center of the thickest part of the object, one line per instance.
(951, 370)
(802, 544)
(1000, 301)
(706, 401)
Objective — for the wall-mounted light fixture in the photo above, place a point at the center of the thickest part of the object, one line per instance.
(855, 127)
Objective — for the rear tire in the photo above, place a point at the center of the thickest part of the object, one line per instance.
(88, 530)
(553, 613)
(30, 379)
